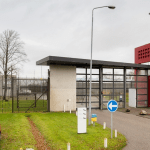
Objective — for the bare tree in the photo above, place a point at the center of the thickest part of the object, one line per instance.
(11, 54)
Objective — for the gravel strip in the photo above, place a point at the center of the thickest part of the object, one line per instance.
(41, 143)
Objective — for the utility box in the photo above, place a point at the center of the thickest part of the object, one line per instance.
(132, 97)
(81, 120)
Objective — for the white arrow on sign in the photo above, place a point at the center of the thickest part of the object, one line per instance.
(110, 106)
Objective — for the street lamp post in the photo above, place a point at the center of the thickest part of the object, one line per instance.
(111, 7)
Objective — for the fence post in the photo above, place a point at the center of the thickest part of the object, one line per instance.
(12, 95)
(2, 94)
(48, 92)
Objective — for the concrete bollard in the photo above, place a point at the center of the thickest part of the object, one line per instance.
(68, 146)
(115, 133)
(64, 108)
(70, 111)
(105, 142)
(104, 126)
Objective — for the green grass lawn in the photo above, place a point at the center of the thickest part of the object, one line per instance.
(6, 107)
(58, 129)
(61, 128)
(16, 132)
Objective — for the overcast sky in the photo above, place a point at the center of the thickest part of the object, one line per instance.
(63, 28)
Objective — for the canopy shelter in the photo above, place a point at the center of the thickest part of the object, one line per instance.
(66, 91)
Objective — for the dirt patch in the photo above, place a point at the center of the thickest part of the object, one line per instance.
(41, 143)
(136, 111)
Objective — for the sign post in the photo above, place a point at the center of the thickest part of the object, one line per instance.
(112, 106)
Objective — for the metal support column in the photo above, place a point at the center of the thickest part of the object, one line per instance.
(2, 94)
(48, 92)
(12, 95)
(86, 85)
(101, 86)
(125, 87)
(146, 71)
(136, 86)
(99, 89)
(113, 83)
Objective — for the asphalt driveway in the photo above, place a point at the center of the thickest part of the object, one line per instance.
(136, 129)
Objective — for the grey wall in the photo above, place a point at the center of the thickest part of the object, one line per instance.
(62, 87)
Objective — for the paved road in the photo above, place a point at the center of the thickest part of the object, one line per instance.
(136, 129)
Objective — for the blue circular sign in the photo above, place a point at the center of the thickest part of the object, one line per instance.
(112, 105)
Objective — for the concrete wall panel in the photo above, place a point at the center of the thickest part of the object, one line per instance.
(62, 88)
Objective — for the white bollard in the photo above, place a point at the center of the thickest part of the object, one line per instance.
(115, 133)
(68, 146)
(91, 122)
(105, 142)
(64, 108)
(70, 111)
(104, 126)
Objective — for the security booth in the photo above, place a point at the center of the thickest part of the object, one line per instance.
(70, 78)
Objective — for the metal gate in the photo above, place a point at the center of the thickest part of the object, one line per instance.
(30, 95)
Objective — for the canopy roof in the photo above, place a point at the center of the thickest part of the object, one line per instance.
(83, 63)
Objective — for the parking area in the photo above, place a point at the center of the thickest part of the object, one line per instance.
(135, 128)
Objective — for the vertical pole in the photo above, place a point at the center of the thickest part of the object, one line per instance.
(111, 124)
(11, 80)
(41, 79)
(26, 88)
(35, 100)
(49, 89)
(86, 87)
(42, 92)
(48, 92)
(136, 86)
(113, 83)
(125, 87)
(99, 89)
(91, 70)
(2, 94)
(101, 78)
(18, 100)
(12, 95)
(147, 85)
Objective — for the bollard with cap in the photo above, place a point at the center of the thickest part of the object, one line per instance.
(68, 146)
(104, 126)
